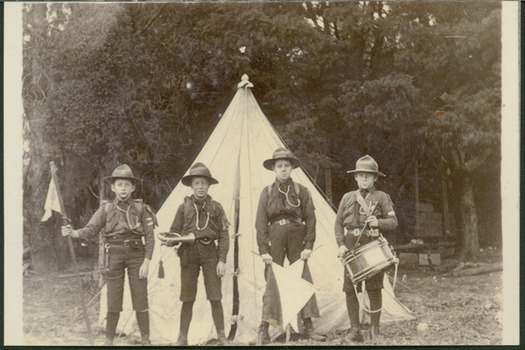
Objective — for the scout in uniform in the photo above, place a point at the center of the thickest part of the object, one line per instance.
(203, 217)
(128, 233)
(353, 213)
(285, 226)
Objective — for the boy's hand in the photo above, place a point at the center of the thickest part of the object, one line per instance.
(267, 258)
(68, 231)
(305, 254)
(144, 268)
(372, 221)
(342, 250)
(221, 268)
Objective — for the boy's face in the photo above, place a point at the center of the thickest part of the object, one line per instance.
(200, 186)
(365, 180)
(122, 188)
(283, 169)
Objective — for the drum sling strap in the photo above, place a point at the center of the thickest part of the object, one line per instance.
(368, 211)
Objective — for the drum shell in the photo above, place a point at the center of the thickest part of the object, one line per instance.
(368, 260)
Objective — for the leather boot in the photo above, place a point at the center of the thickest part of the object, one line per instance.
(221, 338)
(182, 341)
(111, 327)
(309, 330)
(143, 322)
(263, 337)
(374, 331)
(356, 336)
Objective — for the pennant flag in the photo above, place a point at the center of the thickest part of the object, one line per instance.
(288, 293)
(52, 202)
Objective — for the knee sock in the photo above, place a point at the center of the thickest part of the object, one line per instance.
(352, 306)
(376, 302)
(143, 322)
(111, 324)
(185, 318)
(217, 314)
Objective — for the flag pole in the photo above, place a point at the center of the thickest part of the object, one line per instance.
(65, 221)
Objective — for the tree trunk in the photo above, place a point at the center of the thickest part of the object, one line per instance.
(101, 252)
(470, 239)
(328, 182)
(445, 208)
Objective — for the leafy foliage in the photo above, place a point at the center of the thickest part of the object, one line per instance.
(145, 84)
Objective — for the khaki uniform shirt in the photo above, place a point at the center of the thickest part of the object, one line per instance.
(116, 217)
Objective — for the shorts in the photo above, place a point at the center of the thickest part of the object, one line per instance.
(123, 258)
(193, 258)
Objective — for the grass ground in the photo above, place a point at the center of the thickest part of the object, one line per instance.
(448, 311)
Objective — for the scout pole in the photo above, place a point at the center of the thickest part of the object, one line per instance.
(65, 221)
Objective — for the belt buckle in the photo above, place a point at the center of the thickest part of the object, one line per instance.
(205, 240)
(282, 222)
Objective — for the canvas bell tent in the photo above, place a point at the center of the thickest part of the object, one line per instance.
(234, 153)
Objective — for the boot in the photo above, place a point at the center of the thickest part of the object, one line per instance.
(221, 339)
(309, 330)
(374, 331)
(356, 336)
(182, 341)
(143, 322)
(111, 327)
(263, 337)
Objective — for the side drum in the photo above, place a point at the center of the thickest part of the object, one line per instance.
(368, 260)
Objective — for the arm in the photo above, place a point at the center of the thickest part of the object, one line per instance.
(148, 222)
(95, 224)
(224, 241)
(339, 220)
(261, 224)
(178, 221)
(309, 218)
(388, 221)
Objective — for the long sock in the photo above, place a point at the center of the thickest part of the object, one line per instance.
(352, 306)
(143, 322)
(185, 318)
(376, 301)
(217, 314)
(111, 324)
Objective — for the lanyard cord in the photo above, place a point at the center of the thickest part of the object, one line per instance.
(132, 227)
(288, 199)
(197, 219)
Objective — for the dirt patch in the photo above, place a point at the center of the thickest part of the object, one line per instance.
(448, 311)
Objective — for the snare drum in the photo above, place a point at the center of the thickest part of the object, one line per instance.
(369, 260)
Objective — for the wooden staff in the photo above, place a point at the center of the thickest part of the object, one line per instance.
(65, 221)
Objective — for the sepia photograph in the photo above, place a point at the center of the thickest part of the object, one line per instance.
(263, 173)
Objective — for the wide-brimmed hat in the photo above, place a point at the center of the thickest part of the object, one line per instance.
(366, 164)
(281, 153)
(198, 170)
(123, 172)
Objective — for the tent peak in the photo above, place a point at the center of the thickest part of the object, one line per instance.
(245, 83)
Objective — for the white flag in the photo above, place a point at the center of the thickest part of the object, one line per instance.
(52, 202)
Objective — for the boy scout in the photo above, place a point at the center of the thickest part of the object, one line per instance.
(203, 217)
(128, 233)
(352, 215)
(285, 226)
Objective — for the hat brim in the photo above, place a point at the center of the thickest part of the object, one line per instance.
(186, 180)
(366, 171)
(268, 163)
(132, 179)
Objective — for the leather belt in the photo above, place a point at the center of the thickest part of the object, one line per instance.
(135, 243)
(286, 221)
(205, 240)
